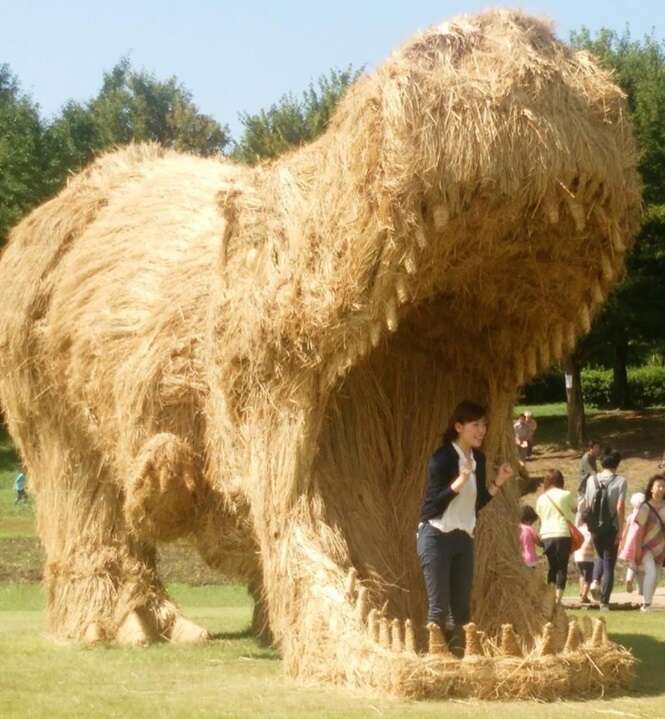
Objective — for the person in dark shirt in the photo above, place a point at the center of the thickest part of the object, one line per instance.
(456, 491)
(588, 465)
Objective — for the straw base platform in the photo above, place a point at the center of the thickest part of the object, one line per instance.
(261, 360)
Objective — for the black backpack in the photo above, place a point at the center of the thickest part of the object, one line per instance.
(601, 519)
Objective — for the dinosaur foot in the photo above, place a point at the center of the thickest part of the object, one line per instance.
(143, 626)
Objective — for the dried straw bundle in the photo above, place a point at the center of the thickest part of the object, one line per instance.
(262, 359)
(585, 673)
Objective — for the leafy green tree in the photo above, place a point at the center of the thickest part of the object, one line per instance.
(292, 121)
(23, 178)
(132, 106)
(632, 318)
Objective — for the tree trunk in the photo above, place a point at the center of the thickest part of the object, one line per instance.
(620, 390)
(575, 403)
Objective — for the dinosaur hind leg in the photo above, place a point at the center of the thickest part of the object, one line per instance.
(100, 577)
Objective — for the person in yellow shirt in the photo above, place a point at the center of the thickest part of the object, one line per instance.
(554, 506)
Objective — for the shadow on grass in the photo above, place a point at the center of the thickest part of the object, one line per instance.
(261, 651)
(231, 636)
(268, 654)
(650, 654)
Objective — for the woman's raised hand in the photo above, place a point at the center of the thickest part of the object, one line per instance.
(465, 469)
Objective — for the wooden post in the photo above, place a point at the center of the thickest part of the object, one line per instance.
(574, 402)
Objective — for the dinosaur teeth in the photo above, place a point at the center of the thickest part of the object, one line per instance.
(421, 237)
(409, 636)
(396, 643)
(577, 213)
(391, 315)
(362, 345)
(401, 290)
(362, 604)
(93, 634)
(617, 241)
(606, 266)
(441, 217)
(551, 207)
(384, 633)
(373, 625)
(509, 645)
(409, 262)
(375, 334)
(547, 640)
(437, 644)
(571, 337)
(472, 646)
(575, 637)
(599, 636)
(350, 587)
(597, 293)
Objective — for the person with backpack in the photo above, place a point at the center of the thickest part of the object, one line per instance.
(650, 541)
(588, 465)
(605, 497)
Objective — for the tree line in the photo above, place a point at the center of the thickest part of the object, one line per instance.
(37, 156)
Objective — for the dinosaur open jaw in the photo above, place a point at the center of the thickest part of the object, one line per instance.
(477, 329)
(517, 285)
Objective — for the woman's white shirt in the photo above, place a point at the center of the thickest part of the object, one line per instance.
(461, 512)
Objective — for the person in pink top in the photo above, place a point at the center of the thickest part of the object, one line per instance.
(584, 558)
(529, 538)
(628, 544)
(650, 543)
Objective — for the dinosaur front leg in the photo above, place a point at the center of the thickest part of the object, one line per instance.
(318, 606)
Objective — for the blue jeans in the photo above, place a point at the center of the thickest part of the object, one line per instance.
(607, 550)
(446, 559)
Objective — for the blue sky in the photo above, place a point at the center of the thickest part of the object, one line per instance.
(236, 56)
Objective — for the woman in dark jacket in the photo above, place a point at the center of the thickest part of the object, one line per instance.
(456, 491)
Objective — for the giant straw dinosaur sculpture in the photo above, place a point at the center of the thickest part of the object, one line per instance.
(262, 359)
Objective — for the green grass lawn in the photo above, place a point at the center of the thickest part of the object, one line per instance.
(552, 421)
(232, 676)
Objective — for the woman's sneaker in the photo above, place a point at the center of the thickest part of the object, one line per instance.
(645, 608)
(594, 590)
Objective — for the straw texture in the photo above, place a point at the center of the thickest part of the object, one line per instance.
(262, 359)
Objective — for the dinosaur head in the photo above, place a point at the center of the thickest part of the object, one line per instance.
(471, 204)
(504, 193)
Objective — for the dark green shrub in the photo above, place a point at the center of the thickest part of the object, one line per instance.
(545, 388)
(647, 385)
(597, 387)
